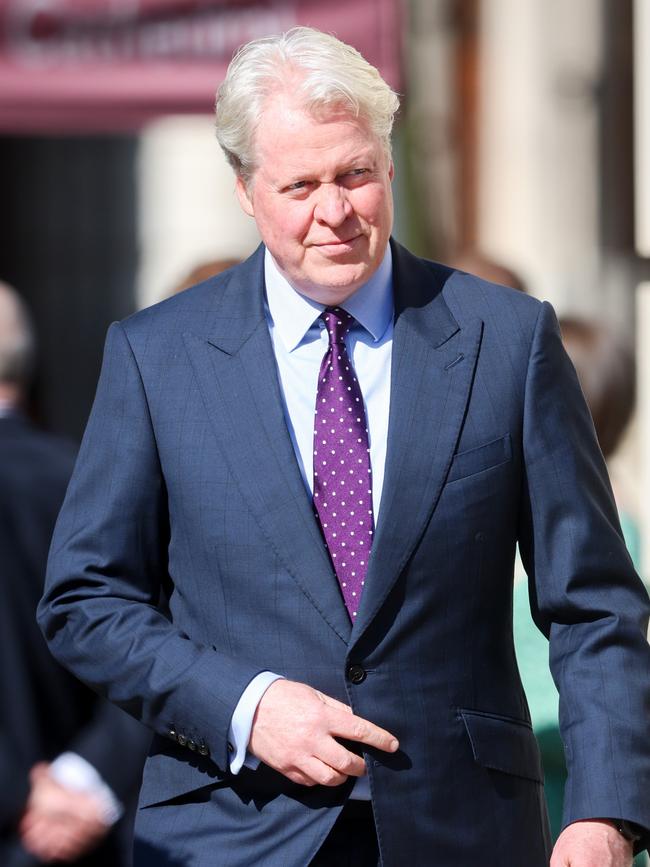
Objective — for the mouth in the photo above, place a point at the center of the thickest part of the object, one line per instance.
(338, 246)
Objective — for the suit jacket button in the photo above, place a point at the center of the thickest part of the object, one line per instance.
(356, 674)
(172, 733)
(191, 745)
(182, 740)
(203, 750)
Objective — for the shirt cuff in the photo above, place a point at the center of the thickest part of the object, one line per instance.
(75, 773)
(242, 721)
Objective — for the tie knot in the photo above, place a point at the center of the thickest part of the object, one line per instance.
(338, 323)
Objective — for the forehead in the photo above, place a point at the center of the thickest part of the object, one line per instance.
(289, 138)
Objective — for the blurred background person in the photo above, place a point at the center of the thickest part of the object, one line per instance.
(202, 272)
(606, 368)
(70, 763)
(475, 262)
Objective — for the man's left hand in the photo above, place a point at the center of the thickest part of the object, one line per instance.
(59, 824)
(593, 843)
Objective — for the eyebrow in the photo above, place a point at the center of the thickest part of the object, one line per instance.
(362, 162)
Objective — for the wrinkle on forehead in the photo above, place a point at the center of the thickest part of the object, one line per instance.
(341, 149)
(296, 115)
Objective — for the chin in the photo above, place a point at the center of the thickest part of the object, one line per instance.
(344, 277)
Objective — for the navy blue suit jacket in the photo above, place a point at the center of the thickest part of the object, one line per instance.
(187, 559)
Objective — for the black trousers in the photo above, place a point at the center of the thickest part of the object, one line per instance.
(352, 842)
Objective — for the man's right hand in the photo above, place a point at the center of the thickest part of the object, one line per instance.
(294, 731)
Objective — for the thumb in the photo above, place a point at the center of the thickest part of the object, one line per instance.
(38, 771)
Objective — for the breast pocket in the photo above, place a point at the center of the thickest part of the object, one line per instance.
(481, 458)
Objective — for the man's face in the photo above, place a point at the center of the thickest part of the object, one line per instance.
(321, 198)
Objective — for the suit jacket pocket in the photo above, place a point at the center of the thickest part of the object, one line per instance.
(503, 744)
(481, 458)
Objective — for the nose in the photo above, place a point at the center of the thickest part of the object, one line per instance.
(333, 206)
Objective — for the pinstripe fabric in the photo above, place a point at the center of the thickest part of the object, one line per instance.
(187, 483)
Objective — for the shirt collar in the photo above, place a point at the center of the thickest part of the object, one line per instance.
(293, 314)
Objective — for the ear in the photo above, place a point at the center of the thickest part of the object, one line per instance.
(245, 199)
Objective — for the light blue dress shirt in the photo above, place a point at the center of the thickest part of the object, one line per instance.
(300, 341)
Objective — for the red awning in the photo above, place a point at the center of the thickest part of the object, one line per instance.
(110, 65)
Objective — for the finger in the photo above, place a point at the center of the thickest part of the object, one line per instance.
(40, 840)
(322, 774)
(72, 848)
(356, 728)
(38, 771)
(94, 829)
(37, 829)
(299, 777)
(89, 834)
(65, 844)
(344, 761)
(26, 822)
(333, 702)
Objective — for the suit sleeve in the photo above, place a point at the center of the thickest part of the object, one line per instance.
(100, 611)
(585, 594)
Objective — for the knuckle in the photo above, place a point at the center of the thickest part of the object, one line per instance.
(330, 778)
(360, 729)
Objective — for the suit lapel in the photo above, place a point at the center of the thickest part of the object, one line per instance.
(237, 373)
(432, 371)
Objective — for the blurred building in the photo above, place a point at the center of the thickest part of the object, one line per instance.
(113, 184)
(530, 125)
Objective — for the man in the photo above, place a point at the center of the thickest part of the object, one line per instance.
(248, 438)
(62, 786)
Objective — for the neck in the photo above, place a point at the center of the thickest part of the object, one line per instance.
(328, 296)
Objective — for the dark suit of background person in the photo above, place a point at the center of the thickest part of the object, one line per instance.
(187, 478)
(45, 710)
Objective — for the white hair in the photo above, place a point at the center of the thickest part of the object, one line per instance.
(323, 73)
(16, 338)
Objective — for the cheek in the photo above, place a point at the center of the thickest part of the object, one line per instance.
(285, 222)
(288, 224)
(373, 205)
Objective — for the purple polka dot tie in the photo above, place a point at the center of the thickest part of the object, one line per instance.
(342, 473)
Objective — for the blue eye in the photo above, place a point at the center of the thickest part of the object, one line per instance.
(354, 175)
